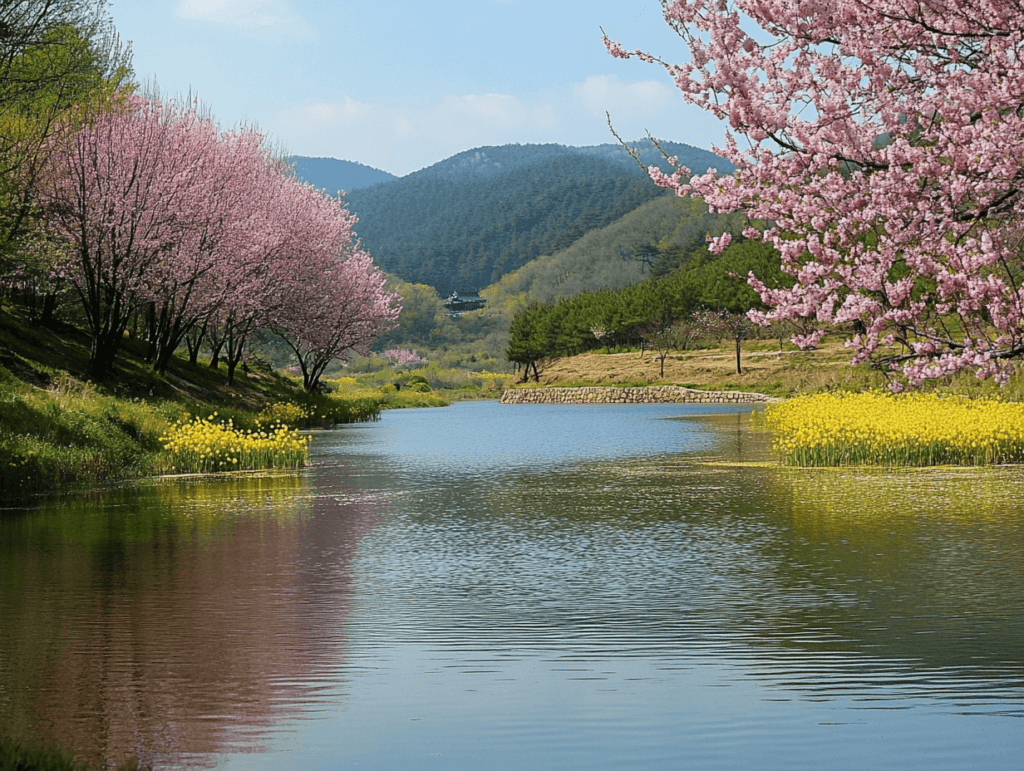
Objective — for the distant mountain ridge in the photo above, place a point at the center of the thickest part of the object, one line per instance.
(333, 175)
(504, 158)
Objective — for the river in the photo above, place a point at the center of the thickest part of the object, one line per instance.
(487, 586)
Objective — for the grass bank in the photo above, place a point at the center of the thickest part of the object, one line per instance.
(58, 431)
(766, 369)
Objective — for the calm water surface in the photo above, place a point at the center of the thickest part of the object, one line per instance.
(488, 586)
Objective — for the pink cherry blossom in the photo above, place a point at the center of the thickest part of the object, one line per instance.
(884, 147)
(198, 228)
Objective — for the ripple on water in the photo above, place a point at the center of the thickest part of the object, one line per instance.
(538, 587)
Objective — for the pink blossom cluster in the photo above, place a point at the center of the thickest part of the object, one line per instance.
(884, 154)
(401, 357)
(203, 228)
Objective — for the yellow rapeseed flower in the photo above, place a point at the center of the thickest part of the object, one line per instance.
(903, 430)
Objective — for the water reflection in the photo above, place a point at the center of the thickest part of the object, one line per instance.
(173, 621)
(537, 587)
(920, 565)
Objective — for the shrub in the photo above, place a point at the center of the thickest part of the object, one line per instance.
(283, 413)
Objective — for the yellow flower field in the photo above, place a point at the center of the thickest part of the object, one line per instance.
(283, 413)
(884, 429)
(202, 446)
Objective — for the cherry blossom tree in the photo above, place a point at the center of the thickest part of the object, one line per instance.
(119, 192)
(291, 247)
(248, 292)
(885, 149)
(210, 264)
(333, 300)
(203, 229)
(403, 358)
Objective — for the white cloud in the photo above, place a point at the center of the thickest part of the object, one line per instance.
(605, 93)
(391, 135)
(270, 15)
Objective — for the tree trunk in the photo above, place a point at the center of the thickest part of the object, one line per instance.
(49, 308)
(107, 330)
(215, 354)
(194, 341)
(102, 354)
(234, 355)
(151, 329)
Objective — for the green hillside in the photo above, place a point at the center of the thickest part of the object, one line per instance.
(667, 229)
(465, 222)
(465, 233)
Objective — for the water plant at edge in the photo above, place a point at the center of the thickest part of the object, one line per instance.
(200, 446)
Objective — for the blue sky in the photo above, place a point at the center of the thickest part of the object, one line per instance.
(400, 85)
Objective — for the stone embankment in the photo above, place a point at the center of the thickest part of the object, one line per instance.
(636, 395)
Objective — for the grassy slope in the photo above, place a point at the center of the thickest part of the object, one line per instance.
(57, 430)
(40, 356)
(594, 262)
(766, 370)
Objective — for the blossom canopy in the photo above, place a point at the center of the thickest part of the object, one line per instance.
(885, 150)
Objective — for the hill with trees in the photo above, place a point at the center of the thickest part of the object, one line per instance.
(651, 241)
(708, 296)
(465, 222)
(332, 175)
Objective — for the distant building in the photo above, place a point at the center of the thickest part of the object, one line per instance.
(460, 302)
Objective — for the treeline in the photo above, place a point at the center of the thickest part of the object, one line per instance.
(492, 160)
(707, 295)
(651, 241)
(143, 215)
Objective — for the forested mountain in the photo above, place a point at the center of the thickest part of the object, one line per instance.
(333, 175)
(464, 222)
(666, 231)
(497, 160)
(696, 160)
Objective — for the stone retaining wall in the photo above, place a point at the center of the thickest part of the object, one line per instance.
(637, 395)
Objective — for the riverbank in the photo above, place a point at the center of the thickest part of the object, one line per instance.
(766, 370)
(781, 373)
(630, 395)
(61, 432)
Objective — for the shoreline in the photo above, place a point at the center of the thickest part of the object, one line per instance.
(630, 395)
